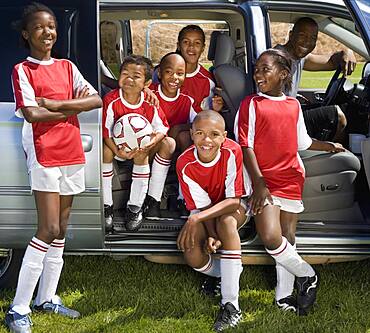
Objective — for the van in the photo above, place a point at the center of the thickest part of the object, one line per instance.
(336, 223)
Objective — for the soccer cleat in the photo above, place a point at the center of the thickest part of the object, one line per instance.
(151, 207)
(181, 208)
(108, 215)
(211, 286)
(288, 303)
(60, 309)
(306, 292)
(17, 323)
(133, 220)
(228, 317)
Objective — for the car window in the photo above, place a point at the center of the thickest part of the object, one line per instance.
(325, 45)
(152, 38)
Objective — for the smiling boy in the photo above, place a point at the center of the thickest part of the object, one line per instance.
(211, 180)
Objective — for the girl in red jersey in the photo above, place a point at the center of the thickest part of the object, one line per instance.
(49, 93)
(199, 82)
(178, 107)
(271, 130)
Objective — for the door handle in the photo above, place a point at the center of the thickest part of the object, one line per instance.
(87, 142)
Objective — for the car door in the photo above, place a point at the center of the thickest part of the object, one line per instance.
(77, 41)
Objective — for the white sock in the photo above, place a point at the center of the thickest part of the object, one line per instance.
(53, 264)
(107, 183)
(158, 176)
(29, 274)
(139, 185)
(231, 267)
(211, 268)
(288, 257)
(284, 281)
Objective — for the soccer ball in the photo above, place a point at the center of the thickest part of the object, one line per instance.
(132, 131)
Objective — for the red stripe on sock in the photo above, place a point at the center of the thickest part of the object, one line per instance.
(161, 160)
(107, 174)
(38, 247)
(227, 257)
(57, 245)
(140, 175)
(276, 254)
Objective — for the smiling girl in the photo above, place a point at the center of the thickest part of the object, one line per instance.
(271, 130)
(49, 93)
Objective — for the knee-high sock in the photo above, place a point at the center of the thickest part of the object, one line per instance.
(29, 275)
(107, 183)
(139, 185)
(231, 267)
(284, 281)
(53, 264)
(211, 268)
(288, 257)
(158, 176)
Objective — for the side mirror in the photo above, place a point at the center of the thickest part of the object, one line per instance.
(366, 70)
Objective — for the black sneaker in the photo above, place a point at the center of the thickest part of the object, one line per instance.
(151, 207)
(17, 323)
(108, 216)
(181, 208)
(211, 286)
(133, 220)
(288, 303)
(228, 317)
(306, 292)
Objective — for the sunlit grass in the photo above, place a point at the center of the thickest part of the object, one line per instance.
(134, 295)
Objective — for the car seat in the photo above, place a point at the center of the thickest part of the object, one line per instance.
(233, 83)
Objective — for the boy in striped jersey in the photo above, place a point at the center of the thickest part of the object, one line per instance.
(211, 180)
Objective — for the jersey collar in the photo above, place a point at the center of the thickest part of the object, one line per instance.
(168, 99)
(273, 98)
(131, 106)
(194, 73)
(40, 62)
(209, 164)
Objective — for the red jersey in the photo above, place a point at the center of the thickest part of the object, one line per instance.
(178, 110)
(203, 184)
(115, 106)
(200, 86)
(49, 143)
(275, 129)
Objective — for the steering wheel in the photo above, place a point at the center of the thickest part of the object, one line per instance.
(334, 87)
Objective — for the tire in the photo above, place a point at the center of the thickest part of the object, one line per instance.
(10, 263)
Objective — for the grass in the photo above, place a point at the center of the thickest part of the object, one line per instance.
(321, 79)
(134, 295)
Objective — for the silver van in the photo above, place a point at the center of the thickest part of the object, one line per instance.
(336, 223)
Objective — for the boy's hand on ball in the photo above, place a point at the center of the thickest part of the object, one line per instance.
(127, 155)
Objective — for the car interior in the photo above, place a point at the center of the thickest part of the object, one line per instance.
(334, 190)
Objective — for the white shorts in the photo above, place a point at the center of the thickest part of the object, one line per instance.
(287, 205)
(65, 180)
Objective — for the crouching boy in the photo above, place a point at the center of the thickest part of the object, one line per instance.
(211, 180)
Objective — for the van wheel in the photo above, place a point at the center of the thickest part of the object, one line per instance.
(10, 263)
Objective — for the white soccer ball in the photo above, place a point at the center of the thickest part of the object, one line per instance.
(132, 131)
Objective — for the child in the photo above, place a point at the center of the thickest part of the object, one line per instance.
(211, 179)
(135, 75)
(199, 82)
(177, 106)
(271, 130)
(49, 93)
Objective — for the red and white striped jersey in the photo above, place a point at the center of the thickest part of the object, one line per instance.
(50, 143)
(200, 86)
(274, 128)
(203, 184)
(115, 106)
(178, 110)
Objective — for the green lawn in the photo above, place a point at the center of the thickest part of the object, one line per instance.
(322, 79)
(134, 295)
